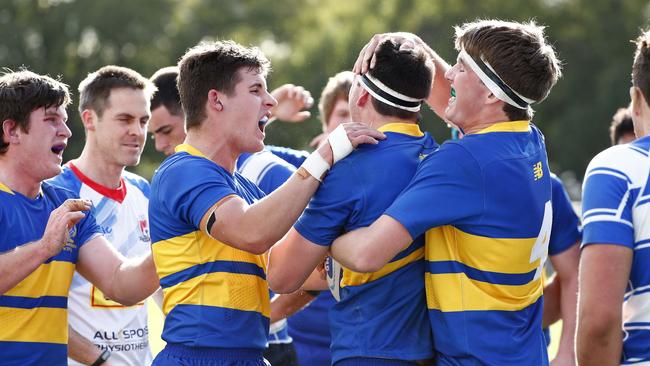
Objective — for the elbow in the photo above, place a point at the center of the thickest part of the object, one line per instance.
(256, 243)
(596, 326)
(366, 264)
(281, 284)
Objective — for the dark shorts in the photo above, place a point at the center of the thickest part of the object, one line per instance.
(281, 354)
(178, 355)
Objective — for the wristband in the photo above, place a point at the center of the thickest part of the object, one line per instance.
(102, 358)
(316, 166)
(340, 143)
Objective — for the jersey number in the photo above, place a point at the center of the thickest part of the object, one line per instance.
(540, 249)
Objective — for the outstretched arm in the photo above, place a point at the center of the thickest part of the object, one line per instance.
(292, 102)
(369, 249)
(254, 228)
(127, 281)
(17, 264)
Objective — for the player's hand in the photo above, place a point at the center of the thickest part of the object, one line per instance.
(292, 100)
(61, 220)
(366, 60)
(357, 133)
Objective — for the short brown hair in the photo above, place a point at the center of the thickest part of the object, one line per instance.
(214, 65)
(518, 53)
(406, 71)
(621, 125)
(95, 89)
(167, 93)
(641, 66)
(337, 88)
(22, 92)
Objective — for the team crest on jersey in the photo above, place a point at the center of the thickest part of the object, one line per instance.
(143, 226)
(70, 245)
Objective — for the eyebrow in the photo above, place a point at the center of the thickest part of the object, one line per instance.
(257, 85)
(159, 129)
(128, 115)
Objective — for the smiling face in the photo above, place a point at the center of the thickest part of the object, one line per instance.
(246, 112)
(40, 150)
(167, 129)
(119, 134)
(468, 96)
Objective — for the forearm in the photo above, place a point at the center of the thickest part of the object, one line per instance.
(283, 306)
(80, 349)
(17, 264)
(552, 309)
(568, 301)
(134, 280)
(441, 87)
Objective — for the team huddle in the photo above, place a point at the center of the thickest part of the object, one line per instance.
(381, 247)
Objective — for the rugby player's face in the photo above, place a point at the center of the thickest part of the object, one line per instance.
(42, 146)
(340, 114)
(247, 110)
(468, 95)
(167, 130)
(120, 133)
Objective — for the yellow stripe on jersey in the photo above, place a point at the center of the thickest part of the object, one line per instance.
(513, 126)
(55, 277)
(351, 278)
(456, 292)
(447, 243)
(47, 325)
(228, 290)
(410, 129)
(460, 266)
(182, 252)
(4, 188)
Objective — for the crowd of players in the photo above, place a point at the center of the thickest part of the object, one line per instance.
(415, 253)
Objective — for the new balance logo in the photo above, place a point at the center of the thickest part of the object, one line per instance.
(538, 172)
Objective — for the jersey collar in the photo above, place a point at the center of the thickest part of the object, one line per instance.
(510, 126)
(411, 129)
(4, 188)
(116, 194)
(190, 150)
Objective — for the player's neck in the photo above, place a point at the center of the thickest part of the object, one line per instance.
(18, 179)
(376, 120)
(215, 149)
(99, 169)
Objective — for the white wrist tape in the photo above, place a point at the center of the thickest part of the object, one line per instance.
(340, 143)
(315, 165)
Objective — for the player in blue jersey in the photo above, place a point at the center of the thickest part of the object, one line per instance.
(114, 110)
(263, 168)
(482, 202)
(380, 318)
(614, 302)
(209, 225)
(40, 244)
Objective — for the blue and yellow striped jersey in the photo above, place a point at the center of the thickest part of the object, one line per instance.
(33, 315)
(616, 211)
(484, 203)
(214, 295)
(381, 314)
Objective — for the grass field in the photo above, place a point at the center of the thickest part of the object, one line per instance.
(157, 344)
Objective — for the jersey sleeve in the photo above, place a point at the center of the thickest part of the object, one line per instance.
(565, 229)
(275, 176)
(336, 201)
(87, 229)
(188, 193)
(447, 189)
(606, 204)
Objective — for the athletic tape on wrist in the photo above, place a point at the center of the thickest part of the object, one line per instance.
(315, 165)
(340, 143)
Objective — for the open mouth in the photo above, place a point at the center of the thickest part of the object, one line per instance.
(58, 149)
(262, 123)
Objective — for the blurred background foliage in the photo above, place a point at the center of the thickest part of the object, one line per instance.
(310, 40)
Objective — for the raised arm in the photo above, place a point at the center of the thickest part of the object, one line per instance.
(17, 264)
(370, 248)
(127, 281)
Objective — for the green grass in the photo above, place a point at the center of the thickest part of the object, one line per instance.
(157, 344)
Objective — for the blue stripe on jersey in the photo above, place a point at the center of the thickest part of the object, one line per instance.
(617, 173)
(510, 279)
(25, 353)
(198, 326)
(212, 267)
(23, 302)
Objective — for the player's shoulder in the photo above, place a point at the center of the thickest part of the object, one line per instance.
(628, 161)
